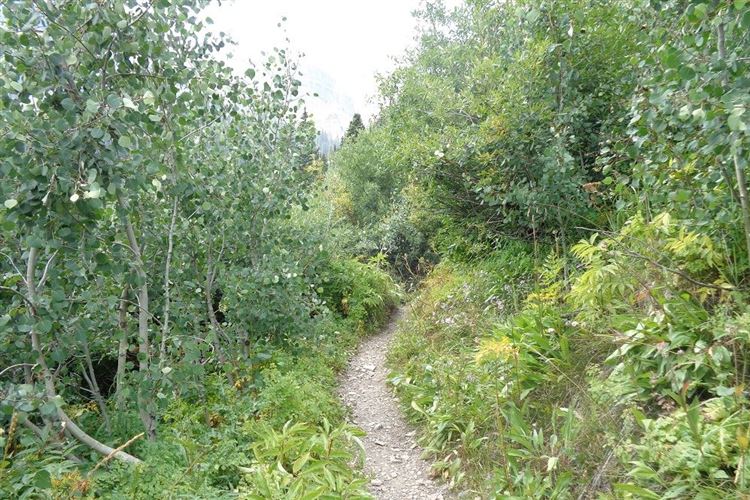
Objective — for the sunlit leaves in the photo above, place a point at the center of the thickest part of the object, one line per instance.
(121, 119)
(735, 120)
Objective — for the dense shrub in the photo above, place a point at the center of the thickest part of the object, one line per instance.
(627, 379)
(224, 439)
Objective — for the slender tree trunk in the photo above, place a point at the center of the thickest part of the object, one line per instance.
(739, 171)
(564, 244)
(533, 233)
(122, 349)
(167, 265)
(49, 382)
(215, 326)
(144, 354)
(94, 386)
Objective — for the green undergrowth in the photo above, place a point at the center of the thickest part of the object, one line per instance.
(627, 380)
(277, 432)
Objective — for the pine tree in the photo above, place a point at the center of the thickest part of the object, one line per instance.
(355, 127)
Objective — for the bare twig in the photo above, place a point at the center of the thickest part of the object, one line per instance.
(47, 266)
(24, 297)
(19, 365)
(678, 272)
(66, 30)
(12, 263)
(115, 452)
(195, 131)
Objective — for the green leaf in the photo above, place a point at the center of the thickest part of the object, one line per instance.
(636, 490)
(68, 104)
(128, 103)
(10, 203)
(700, 10)
(682, 195)
(44, 326)
(113, 101)
(735, 123)
(724, 391)
(43, 479)
(687, 73)
(49, 408)
(92, 106)
(125, 142)
(670, 58)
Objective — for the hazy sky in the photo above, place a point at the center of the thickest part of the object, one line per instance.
(345, 42)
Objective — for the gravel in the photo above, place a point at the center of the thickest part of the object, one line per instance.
(393, 460)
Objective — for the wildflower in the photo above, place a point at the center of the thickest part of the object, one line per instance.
(495, 349)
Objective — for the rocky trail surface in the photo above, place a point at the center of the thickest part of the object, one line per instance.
(393, 459)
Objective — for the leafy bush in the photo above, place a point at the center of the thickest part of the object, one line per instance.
(627, 379)
(297, 395)
(699, 449)
(218, 440)
(305, 461)
(361, 293)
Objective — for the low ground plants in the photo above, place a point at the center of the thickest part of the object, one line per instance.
(627, 380)
(277, 432)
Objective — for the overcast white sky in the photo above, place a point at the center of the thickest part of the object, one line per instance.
(345, 42)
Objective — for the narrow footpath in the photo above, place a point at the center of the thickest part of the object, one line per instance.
(393, 457)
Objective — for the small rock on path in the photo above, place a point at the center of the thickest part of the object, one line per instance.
(392, 455)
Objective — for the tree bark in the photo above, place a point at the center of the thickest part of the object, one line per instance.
(167, 265)
(144, 355)
(215, 326)
(739, 171)
(94, 386)
(49, 382)
(122, 349)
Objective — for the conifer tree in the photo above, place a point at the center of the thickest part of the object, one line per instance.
(354, 128)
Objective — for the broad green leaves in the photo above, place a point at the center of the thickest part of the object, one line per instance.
(735, 120)
(134, 159)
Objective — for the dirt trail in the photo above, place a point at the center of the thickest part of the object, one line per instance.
(393, 456)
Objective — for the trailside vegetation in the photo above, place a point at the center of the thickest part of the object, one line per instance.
(577, 170)
(561, 184)
(172, 320)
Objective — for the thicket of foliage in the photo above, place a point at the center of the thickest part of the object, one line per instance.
(567, 176)
(168, 305)
(580, 169)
